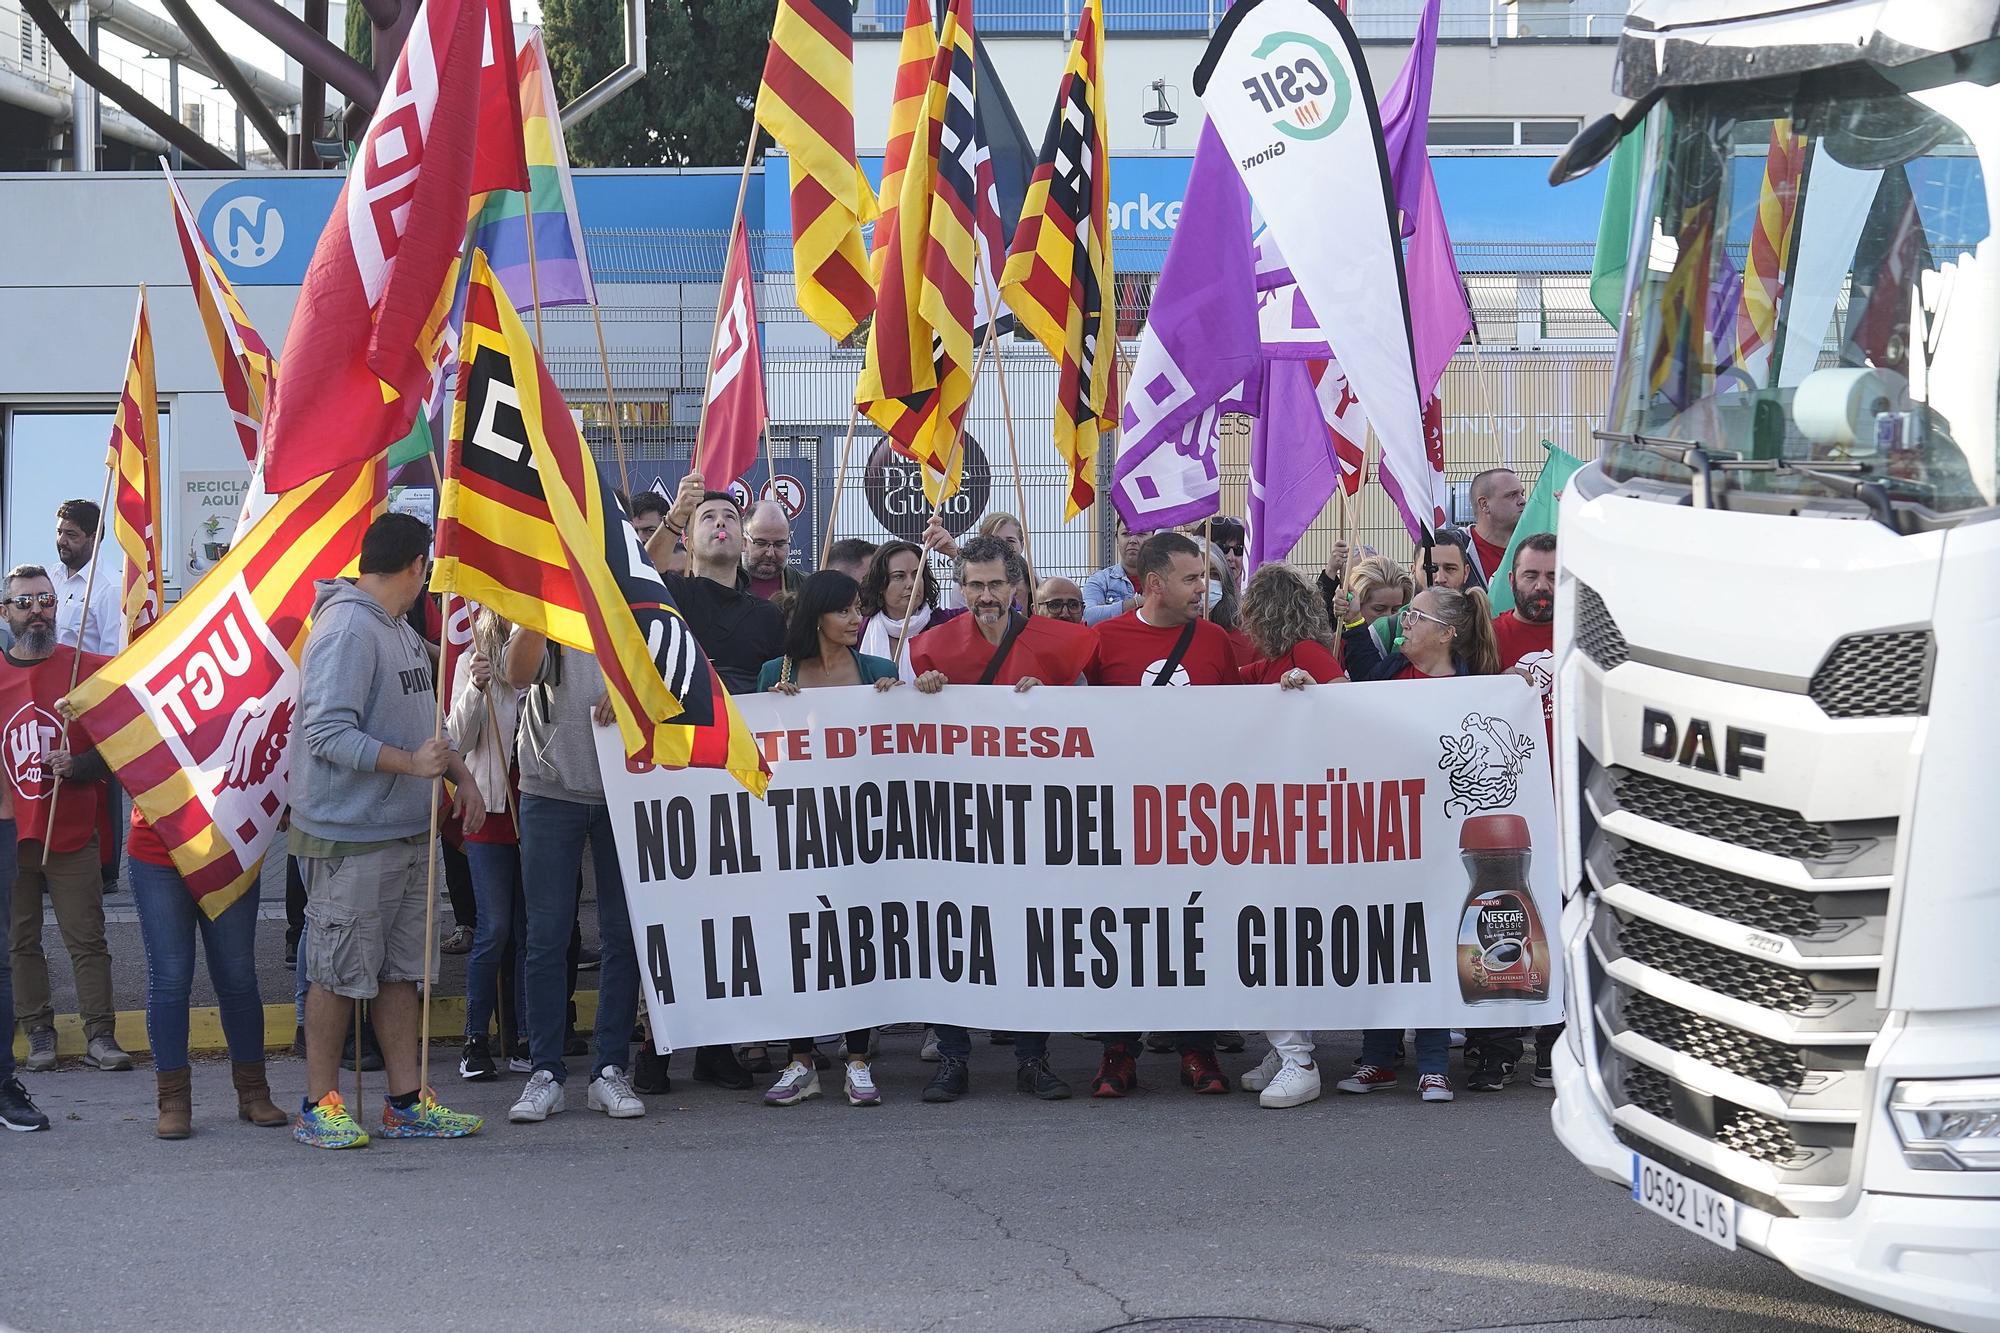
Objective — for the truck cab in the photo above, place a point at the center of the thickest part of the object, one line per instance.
(1778, 621)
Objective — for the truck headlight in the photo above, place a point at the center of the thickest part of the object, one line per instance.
(1948, 1124)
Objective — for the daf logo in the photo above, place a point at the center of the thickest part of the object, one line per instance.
(1302, 88)
(248, 231)
(1693, 746)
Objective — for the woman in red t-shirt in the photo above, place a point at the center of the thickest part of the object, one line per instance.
(1284, 621)
(485, 713)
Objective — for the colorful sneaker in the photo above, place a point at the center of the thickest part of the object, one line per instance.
(798, 1082)
(427, 1120)
(328, 1125)
(1435, 1088)
(861, 1089)
(1200, 1072)
(1367, 1078)
(1117, 1072)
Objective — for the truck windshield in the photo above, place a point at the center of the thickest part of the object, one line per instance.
(1817, 280)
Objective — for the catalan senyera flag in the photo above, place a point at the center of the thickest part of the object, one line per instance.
(1756, 316)
(242, 358)
(898, 373)
(195, 719)
(1058, 278)
(528, 527)
(134, 460)
(561, 266)
(806, 101)
(356, 373)
(1680, 340)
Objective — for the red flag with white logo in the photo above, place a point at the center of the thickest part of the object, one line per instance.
(502, 160)
(356, 366)
(734, 413)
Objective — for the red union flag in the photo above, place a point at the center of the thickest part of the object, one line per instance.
(196, 719)
(735, 410)
(357, 367)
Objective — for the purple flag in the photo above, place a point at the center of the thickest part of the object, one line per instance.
(1198, 356)
(1439, 319)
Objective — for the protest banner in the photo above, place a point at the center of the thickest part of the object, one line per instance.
(1101, 860)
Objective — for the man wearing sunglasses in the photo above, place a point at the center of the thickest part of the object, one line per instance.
(34, 676)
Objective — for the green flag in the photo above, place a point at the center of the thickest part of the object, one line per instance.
(1539, 515)
(414, 445)
(1614, 227)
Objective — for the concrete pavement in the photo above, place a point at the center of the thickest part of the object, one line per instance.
(714, 1213)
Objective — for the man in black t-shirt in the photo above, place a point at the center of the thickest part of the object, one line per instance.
(738, 630)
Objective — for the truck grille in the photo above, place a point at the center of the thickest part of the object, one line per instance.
(1723, 971)
(1738, 1128)
(1597, 633)
(1875, 675)
(1767, 1062)
(1762, 828)
(1719, 893)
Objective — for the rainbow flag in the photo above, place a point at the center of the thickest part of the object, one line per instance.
(562, 267)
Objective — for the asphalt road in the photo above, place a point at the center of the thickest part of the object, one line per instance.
(714, 1213)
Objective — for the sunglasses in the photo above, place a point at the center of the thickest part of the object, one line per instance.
(1061, 604)
(28, 601)
(1230, 548)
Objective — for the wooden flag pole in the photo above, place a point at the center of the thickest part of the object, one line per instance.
(839, 484)
(1206, 568)
(937, 509)
(534, 272)
(611, 401)
(715, 329)
(1007, 415)
(83, 624)
(1485, 403)
(430, 847)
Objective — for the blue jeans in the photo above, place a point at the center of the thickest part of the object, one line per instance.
(8, 866)
(552, 837)
(501, 921)
(1378, 1047)
(168, 923)
(957, 1043)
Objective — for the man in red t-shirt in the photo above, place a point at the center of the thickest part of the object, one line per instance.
(35, 674)
(1527, 633)
(1167, 641)
(1497, 502)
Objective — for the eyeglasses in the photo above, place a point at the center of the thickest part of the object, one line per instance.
(1231, 548)
(28, 601)
(1410, 613)
(757, 545)
(981, 589)
(1054, 604)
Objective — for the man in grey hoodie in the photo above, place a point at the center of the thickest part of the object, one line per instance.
(362, 788)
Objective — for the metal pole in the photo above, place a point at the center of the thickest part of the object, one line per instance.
(83, 152)
(174, 98)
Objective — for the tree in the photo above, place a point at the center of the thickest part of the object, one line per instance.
(692, 108)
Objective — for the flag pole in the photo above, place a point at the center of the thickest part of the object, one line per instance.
(1007, 415)
(937, 509)
(715, 330)
(437, 792)
(610, 400)
(1485, 404)
(839, 484)
(83, 621)
(534, 272)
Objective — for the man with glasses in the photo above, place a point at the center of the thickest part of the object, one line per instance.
(57, 837)
(767, 550)
(993, 644)
(1059, 599)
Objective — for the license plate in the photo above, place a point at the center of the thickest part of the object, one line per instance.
(1688, 1204)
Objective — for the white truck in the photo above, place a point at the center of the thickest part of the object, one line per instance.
(1777, 642)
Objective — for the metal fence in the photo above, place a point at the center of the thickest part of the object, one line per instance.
(1374, 20)
(1541, 372)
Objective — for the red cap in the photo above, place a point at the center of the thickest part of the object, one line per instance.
(1494, 833)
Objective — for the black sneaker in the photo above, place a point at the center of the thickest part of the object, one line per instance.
(1160, 1043)
(575, 1043)
(649, 1071)
(475, 1062)
(1229, 1043)
(1000, 1038)
(17, 1112)
(1491, 1076)
(519, 1060)
(951, 1081)
(371, 1052)
(1545, 1070)
(1035, 1078)
(299, 1040)
(588, 960)
(717, 1065)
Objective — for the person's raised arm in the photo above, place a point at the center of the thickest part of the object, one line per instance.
(523, 657)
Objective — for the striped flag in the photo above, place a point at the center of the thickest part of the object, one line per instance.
(195, 720)
(1674, 366)
(500, 228)
(134, 460)
(241, 357)
(736, 411)
(1058, 278)
(528, 527)
(806, 101)
(1756, 315)
(356, 373)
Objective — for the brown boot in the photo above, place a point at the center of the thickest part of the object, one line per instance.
(176, 1104)
(253, 1096)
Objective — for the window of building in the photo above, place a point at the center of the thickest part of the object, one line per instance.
(1531, 133)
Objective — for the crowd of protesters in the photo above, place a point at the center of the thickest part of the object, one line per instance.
(528, 800)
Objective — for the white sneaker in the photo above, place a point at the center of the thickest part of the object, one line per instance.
(1292, 1085)
(928, 1052)
(1258, 1079)
(1457, 1038)
(611, 1092)
(1435, 1087)
(797, 1082)
(539, 1100)
(861, 1089)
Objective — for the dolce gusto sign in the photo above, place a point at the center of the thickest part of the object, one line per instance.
(894, 486)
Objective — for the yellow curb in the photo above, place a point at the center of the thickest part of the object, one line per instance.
(205, 1027)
